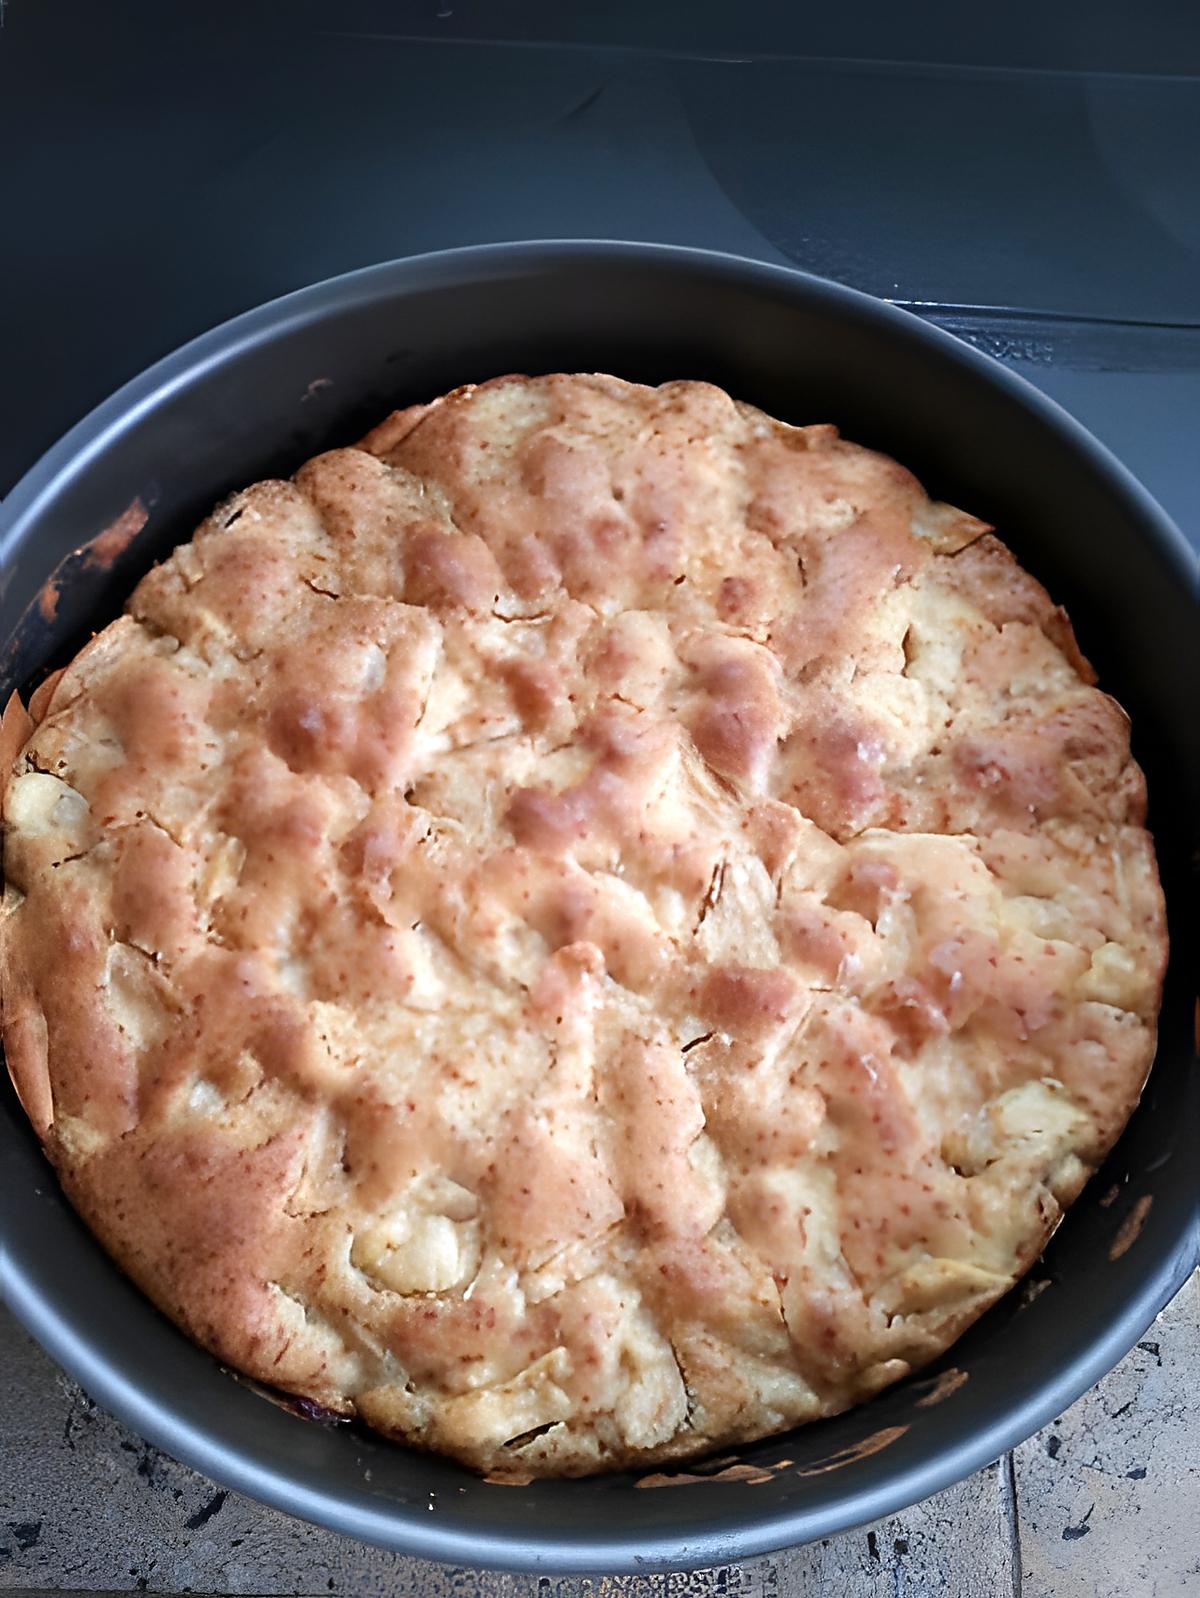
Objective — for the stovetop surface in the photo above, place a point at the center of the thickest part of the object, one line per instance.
(1027, 179)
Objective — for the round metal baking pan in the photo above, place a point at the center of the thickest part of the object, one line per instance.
(255, 398)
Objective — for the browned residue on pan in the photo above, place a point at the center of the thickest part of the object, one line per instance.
(99, 553)
(1032, 1288)
(1129, 1228)
(109, 545)
(756, 1474)
(509, 1480)
(948, 1382)
(1111, 1196)
(753, 1474)
(873, 1444)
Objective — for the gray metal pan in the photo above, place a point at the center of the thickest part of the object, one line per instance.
(259, 395)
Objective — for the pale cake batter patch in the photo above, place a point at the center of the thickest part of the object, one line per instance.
(593, 926)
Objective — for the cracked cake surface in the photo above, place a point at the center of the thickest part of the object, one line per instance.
(592, 926)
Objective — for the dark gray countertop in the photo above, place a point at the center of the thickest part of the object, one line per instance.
(176, 165)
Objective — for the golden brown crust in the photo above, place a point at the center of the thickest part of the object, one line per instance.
(592, 926)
